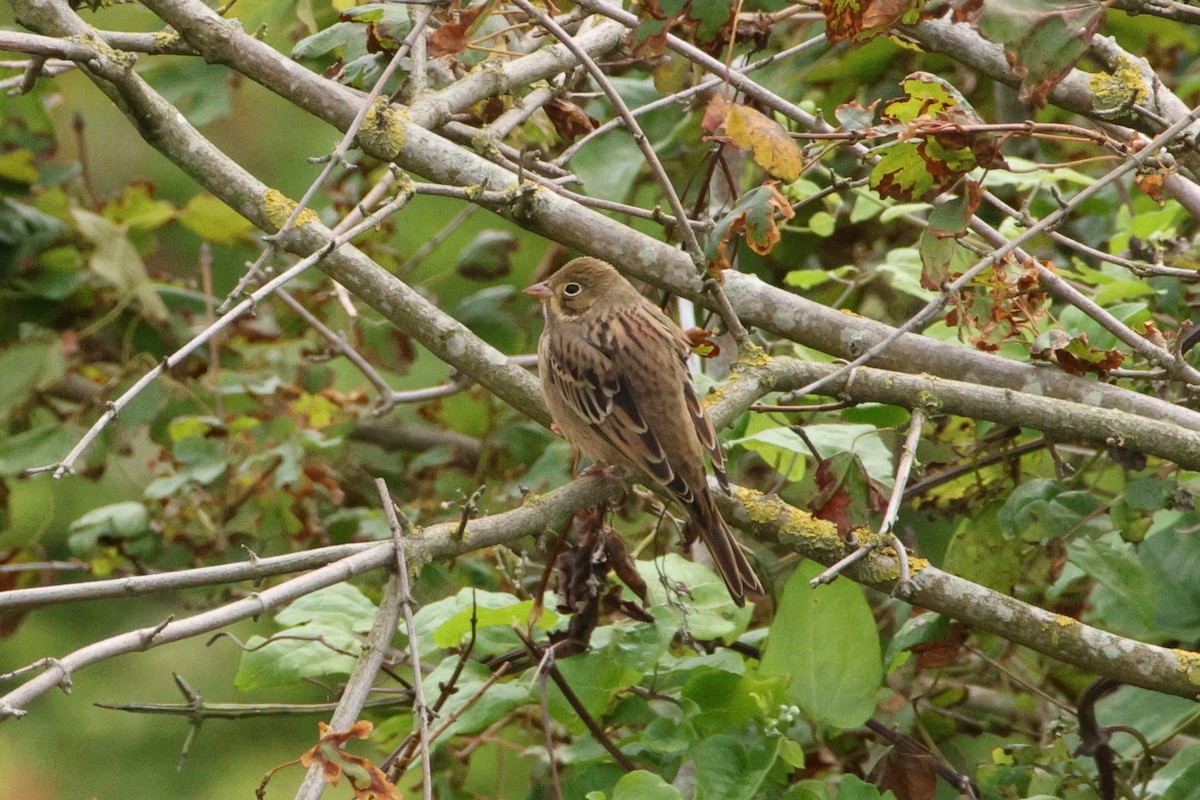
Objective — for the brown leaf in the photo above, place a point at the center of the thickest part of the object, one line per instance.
(908, 771)
(863, 19)
(702, 345)
(451, 38)
(768, 142)
(943, 651)
(1073, 354)
(368, 781)
(714, 113)
(569, 119)
(1152, 184)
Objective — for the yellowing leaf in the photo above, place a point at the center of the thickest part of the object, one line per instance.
(18, 167)
(768, 143)
(215, 222)
(115, 259)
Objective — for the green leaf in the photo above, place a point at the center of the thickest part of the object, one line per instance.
(128, 520)
(608, 165)
(449, 620)
(493, 705)
(979, 553)
(707, 609)
(1039, 510)
(1171, 558)
(36, 447)
(310, 651)
(18, 167)
(27, 368)
(136, 208)
(201, 91)
(115, 259)
(342, 605)
(826, 642)
(346, 40)
(215, 222)
(1126, 603)
(855, 788)
(451, 633)
(643, 785)
(732, 767)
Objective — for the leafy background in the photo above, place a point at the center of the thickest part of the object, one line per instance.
(266, 441)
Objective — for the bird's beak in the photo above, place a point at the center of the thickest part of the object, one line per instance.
(539, 290)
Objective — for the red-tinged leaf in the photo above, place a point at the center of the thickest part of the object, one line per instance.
(569, 119)
(367, 780)
(860, 20)
(846, 495)
(452, 38)
(1074, 355)
(1003, 304)
(754, 217)
(714, 113)
(1042, 39)
(768, 142)
(701, 344)
(908, 771)
(950, 219)
(649, 38)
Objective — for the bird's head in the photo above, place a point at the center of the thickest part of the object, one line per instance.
(580, 285)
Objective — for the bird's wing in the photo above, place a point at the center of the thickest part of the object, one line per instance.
(610, 386)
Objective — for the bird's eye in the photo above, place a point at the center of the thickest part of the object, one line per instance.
(571, 289)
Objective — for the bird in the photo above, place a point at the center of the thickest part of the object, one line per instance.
(613, 369)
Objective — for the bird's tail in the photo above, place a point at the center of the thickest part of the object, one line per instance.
(705, 522)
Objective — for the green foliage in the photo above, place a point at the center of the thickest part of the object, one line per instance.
(265, 441)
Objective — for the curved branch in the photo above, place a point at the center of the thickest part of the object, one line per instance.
(437, 541)
(1161, 669)
(638, 255)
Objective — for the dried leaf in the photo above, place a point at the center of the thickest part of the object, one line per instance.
(701, 344)
(861, 20)
(768, 142)
(908, 771)
(368, 781)
(1152, 184)
(754, 216)
(714, 113)
(569, 119)
(452, 38)
(1074, 355)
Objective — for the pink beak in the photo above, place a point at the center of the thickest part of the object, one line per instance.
(539, 290)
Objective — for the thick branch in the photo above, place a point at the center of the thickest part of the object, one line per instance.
(1063, 638)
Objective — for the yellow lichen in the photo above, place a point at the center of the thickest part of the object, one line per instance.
(1189, 663)
(279, 207)
(1121, 89)
(751, 355)
(165, 38)
(382, 133)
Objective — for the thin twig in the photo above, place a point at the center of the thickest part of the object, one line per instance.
(1051, 220)
(66, 466)
(337, 157)
(420, 709)
(362, 677)
(690, 243)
